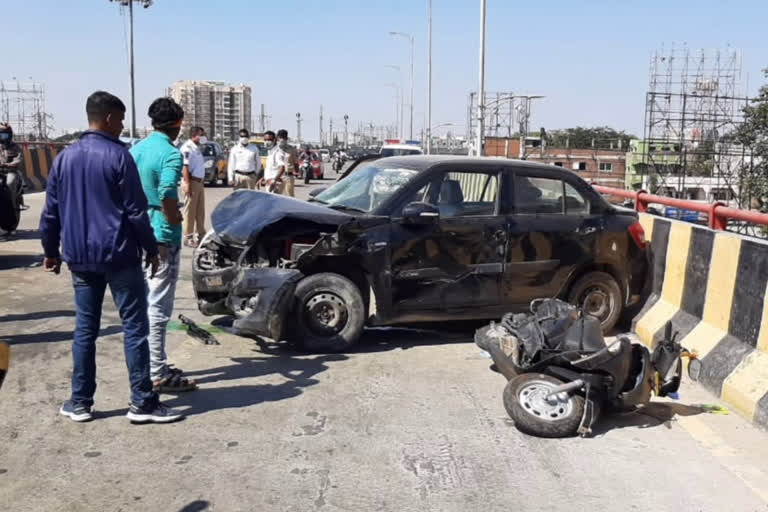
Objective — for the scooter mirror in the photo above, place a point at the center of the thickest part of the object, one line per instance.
(694, 369)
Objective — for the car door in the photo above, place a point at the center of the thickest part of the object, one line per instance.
(456, 262)
(551, 232)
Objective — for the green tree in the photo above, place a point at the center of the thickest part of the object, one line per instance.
(754, 134)
(599, 137)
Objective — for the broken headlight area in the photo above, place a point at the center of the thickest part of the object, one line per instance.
(260, 300)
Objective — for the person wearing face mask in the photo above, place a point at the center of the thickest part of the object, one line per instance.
(11, 156)
(192, 186)
(160, 165)
(273, 174)
(244, 163)
(291, 163)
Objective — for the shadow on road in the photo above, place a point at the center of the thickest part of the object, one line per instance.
(22, 234)
(37, 315)
(299, 372)
(196, 506)
(652, 415)
(12, 261)
(52, 336)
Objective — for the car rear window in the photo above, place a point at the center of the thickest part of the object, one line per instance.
(548, 195)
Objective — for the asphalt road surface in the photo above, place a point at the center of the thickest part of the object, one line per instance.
(408, 421)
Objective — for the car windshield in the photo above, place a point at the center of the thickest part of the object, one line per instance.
(209, 150)
(366, 189)
(399, 152)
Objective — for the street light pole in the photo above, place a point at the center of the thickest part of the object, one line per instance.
(481, 92)
(129, 3)
(410, 38)
(429, 86)
(298, 127)
(346, 131)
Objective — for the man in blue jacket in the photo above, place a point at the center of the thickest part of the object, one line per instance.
(97, 211)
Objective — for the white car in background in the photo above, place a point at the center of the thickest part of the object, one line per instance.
(399, 150)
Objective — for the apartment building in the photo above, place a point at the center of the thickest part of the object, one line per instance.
(221, 109)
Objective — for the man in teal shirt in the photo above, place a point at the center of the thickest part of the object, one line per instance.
(160, 165)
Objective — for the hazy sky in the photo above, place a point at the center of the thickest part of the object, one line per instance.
(589, 57)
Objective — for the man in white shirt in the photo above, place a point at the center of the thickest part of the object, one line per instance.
(276, 161)
(244, 163)
(192, 186)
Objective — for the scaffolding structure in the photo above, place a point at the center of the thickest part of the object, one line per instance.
(22, 105)
(499, 115)
(693, 110)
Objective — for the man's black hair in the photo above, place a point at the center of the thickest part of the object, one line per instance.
(269, 132)
(100, 104)
(244, 131)
(196, 130)
(165, 113)
(282, 134)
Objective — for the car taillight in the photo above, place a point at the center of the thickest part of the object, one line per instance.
(638, 234)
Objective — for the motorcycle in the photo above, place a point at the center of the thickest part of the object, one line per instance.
(11, 197)
(306, 170)
(561, 374)
(338, 163)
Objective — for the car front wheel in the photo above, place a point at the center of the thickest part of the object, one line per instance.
(598, 295)
(329, 313)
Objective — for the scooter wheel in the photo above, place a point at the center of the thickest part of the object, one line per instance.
(534, 414)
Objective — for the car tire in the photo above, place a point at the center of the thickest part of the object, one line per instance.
(599, 295)
(329, 313)
(533, 415)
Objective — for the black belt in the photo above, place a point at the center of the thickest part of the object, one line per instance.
(242, 173)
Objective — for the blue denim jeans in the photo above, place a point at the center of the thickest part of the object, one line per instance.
(129, 293)
(161, 292)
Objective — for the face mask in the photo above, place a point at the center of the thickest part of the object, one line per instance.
(203, 139)
(269, 144)
(244, 141)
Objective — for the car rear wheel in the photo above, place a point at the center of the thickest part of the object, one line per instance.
(598, 295)
(329, 313)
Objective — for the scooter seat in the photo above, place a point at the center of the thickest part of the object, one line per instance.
(585, 335)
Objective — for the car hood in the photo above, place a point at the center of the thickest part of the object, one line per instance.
(243, 215)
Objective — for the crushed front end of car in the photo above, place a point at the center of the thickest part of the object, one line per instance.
(246, 266)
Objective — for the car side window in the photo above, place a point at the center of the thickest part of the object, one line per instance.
(538, 195)
(575, 204)
(465, 194)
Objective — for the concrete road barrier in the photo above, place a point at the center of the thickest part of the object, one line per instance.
(38, 159)
(712, 286)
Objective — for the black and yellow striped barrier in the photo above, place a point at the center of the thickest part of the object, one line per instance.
(712, 286)
(38, 159)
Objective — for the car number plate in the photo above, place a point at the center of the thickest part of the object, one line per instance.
(213, 281)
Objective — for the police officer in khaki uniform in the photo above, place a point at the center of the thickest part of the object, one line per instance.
(192, 186)
(291, 163)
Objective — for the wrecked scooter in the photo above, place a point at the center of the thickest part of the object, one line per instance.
(561, 374)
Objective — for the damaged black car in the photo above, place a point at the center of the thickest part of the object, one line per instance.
(417, 239)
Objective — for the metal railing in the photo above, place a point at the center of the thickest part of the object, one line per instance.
(718, 214)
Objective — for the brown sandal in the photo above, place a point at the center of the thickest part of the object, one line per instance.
(174, 383)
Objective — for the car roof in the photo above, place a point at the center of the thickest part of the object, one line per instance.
(423, 162)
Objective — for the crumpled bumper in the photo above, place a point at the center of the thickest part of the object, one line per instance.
(259, 299)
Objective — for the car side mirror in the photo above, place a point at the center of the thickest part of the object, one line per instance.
(421, 213)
